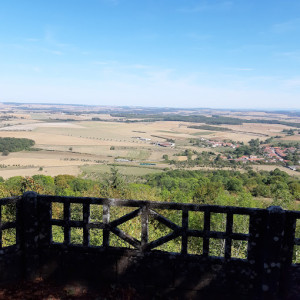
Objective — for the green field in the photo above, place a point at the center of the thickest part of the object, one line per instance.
(202, 133)
(99, 171)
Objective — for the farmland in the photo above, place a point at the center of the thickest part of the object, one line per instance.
(87, 141)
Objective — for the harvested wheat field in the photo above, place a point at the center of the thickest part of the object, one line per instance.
(72, 143)
(271, 168)
(51, 171)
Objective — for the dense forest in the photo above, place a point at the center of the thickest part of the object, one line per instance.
(9, 144)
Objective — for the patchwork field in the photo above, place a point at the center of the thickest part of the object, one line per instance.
(65, 147)
(88, 143)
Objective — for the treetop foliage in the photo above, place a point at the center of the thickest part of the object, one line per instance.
(224, 187)
(15, 144)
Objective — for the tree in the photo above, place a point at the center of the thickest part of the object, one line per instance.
(29, 184)
(5, 152)
(46, 182)
(188, 153)
(294, 188)
(14, 185)
(62, 184)
(15, 144)
(234, 184)
(254, 143)
(165, 157)
(116, 180)
(218, 158)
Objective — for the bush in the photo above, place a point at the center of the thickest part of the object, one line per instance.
(5, 152)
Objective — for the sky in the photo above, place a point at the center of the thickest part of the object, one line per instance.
(158, 53)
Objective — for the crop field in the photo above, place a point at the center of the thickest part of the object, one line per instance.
(271, 168)
(76, 147)
(50, 171)
(88, 143)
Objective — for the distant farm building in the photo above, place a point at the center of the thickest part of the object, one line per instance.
(166, 144)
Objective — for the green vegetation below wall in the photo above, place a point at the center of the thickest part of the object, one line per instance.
(220, 187)
(251, 189)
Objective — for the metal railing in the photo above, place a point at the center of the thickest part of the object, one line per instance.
(32, 222)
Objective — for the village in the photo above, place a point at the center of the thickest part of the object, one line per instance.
(268, 154)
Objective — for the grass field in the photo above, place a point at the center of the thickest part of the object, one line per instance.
(101, 170)
(203, 133)
(271, 168)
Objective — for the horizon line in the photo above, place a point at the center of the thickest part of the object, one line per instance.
(152, 107)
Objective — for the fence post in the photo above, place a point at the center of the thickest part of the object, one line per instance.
(274, 234)
(30, 236)
(35, 228)
(106, 217)
(145, 227)
(185, 225)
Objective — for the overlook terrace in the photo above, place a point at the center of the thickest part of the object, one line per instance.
(267, 272)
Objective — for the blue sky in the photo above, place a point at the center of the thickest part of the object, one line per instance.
(219, 54)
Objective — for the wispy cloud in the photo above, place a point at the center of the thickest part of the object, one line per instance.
(293, 55)
(140, 66)
(55, 52)
(258, 48)
(292, 82)
(104, 63)
(242, 69)
(287, 26)
(50, 38)
(207, 6)
(160, 87)
(36, 69)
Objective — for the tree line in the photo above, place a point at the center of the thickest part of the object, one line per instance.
(213, 120)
